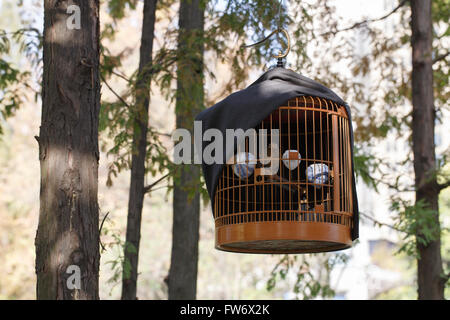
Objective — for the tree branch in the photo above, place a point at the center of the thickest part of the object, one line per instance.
(376, 222)
(441, 57)
(395, 186)
(114, 92)
(442, 186)
(162, 187)
(120, 76)
(149, 188)
(100, 231)
(359, 24)
(445, 278)
(163, 134)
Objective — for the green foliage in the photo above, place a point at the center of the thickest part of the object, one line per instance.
(119, 265)
(129, 248)
(418, 223)
(117, 8)
(393, 90)
(365, 165)
(310, 283)
(118, 120)
(11, 98)
(109, 63)
(14, 83)
(115, 244)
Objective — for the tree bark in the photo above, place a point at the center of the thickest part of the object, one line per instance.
(186, 200)
(430, 282)
(137, 192)
(67, 238)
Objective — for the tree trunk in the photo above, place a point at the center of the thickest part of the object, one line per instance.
(67, 240)
(186, 200)
(137, 193)
(430, 282)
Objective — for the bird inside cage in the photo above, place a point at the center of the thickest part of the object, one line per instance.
(302, 183)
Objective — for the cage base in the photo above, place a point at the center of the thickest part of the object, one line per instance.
(283, 237)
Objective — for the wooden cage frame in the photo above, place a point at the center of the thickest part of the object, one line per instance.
(287, 213)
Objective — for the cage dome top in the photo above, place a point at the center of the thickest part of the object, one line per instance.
(247, 108)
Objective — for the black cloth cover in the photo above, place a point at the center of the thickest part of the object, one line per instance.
(247, 108)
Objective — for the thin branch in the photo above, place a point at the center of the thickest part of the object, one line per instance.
(120, 76)
(441, 57)
(393, 186)
(162, 187)
(151, 186)
(100, 230)
(445, 278)
(376, 222)
(359, 24)
(442, 186)
(162, 134)
(153, 69)
(114, 92)
(28, 32)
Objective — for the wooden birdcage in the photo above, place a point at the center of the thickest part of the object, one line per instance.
(307, 205)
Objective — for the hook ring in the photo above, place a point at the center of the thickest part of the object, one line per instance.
(288, 49)
(281, 54)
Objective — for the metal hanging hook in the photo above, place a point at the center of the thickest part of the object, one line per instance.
(281, 54)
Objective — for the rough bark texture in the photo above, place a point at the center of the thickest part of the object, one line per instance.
(186, 201)
(68, 231)
(430, 282)
(137, 193)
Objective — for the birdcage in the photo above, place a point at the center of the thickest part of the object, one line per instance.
(307, 204)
